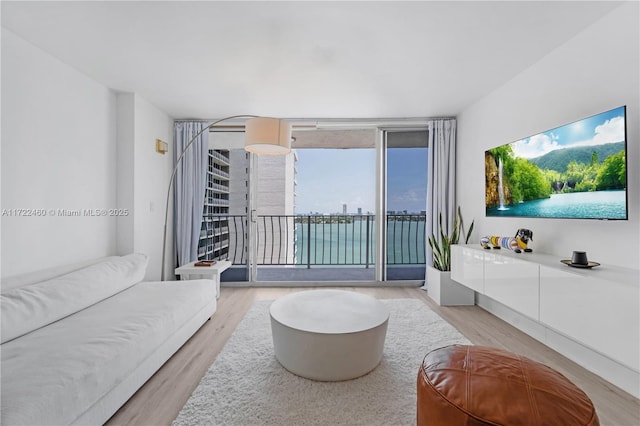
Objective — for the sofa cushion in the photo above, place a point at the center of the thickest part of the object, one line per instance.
(55, 374)
(27, 308)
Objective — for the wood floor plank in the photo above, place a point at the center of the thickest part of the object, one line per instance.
(159, 401)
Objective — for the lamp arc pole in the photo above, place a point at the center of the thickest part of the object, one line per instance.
(173, 176)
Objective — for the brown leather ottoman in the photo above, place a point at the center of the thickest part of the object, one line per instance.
(476, 385)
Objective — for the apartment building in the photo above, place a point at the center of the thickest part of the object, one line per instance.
(228, 204)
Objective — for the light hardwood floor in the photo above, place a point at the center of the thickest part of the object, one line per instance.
(161, 398)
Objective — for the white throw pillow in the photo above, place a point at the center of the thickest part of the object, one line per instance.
(30, 307)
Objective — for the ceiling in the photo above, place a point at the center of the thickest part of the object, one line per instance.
(302, 59)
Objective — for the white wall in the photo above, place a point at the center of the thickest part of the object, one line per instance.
(595, 71)
(143, 177)
(152, 173)
(59, 152)
(126, 161)
(71, 143)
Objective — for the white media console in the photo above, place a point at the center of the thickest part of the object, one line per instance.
(591, 316)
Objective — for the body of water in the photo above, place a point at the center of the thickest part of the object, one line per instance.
(581, 205)
(346, 243)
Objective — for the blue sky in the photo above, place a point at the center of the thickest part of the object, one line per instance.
(407, 179)
(327, 178)
(607, 127)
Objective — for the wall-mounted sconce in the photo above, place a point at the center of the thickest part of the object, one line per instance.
(161, 146)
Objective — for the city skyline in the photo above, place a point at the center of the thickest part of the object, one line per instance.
(321, 189)
(329, 178)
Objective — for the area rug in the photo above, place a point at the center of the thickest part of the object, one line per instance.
(247, 386)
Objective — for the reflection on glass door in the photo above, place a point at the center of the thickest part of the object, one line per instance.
(406, 201)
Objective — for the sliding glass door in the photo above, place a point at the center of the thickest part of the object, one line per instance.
(334, 214)
(345, 205)
(257, 222)
(405, 174)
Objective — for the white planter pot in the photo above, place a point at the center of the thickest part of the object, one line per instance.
(446, 292)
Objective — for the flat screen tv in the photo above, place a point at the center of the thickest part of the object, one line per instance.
(575, 171)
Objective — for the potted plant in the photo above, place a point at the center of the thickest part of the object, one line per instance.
(440, 286)
(441, 248)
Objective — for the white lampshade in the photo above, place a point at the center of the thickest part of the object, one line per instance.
(267, 136)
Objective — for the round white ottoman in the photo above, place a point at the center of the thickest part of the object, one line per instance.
(328, 335)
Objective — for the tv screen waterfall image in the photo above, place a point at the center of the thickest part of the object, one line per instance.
(575, 171)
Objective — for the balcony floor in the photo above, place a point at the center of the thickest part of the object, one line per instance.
(315, 274)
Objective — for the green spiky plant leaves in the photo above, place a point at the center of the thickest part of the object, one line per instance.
(441, 247)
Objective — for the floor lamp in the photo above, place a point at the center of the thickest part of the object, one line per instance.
(263, 135)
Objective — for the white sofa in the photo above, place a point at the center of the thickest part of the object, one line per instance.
(76, 345)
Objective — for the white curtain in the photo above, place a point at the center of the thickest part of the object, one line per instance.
(189, 188)
(441, 183)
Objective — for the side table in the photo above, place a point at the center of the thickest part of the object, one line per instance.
(191, 272)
